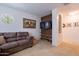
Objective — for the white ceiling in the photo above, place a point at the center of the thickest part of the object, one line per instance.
(38, 9)
(70, 8)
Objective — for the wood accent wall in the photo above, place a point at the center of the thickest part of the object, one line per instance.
(46, 33)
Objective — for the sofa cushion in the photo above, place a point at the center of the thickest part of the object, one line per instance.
(22, 34)
(2, 40)
(10, 35)
(21, 42)
(9, 45)
(11, 39)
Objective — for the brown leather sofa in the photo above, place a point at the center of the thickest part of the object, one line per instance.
(15, 41)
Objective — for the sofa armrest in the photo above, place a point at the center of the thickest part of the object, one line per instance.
(31, 40)
(0, 50)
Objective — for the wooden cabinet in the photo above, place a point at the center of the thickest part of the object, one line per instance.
(46, 33)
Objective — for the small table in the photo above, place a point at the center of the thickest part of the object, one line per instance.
(35, 41)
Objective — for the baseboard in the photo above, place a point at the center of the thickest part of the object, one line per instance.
(74, 44)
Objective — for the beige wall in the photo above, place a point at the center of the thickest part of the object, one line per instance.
(71, 33)
(56, 36)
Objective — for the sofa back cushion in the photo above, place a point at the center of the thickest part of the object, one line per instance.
(11, 39)
(10, 36)
(22, 35)
(14, 36)
(21, 38)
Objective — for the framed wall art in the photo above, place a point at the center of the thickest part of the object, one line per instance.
(59, 23)
(6, 19)
(28, 23)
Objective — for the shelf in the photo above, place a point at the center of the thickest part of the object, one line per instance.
(46, 38)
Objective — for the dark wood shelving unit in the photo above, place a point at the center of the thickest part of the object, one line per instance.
(46, 33)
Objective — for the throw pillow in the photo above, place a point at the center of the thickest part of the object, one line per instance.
(2, 40)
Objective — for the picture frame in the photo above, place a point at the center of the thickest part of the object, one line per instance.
(28, 23)
(60, 23)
